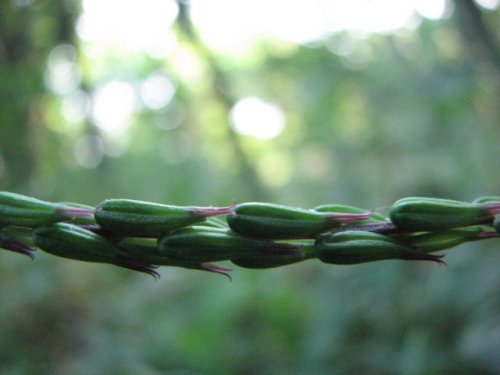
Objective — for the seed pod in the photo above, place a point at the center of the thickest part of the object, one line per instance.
(433, 214)
(215, 222)
(145, 250)
(138, 218)
(18, 240)
(273, 261)
(353, 247)
(205, 244)
(488, 199)
(20, 210)
(342, 208)
(271, 221)
(72, 242)
(436, 241)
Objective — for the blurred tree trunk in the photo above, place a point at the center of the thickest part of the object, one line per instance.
(477, 33)
(223, 91)
(27, 35)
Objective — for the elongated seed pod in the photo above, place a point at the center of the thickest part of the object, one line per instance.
(271, 221)
(487, 199)
(433, 214)
(145, 250)
(205, 244)
(139, 218)
(18, 240)
(436, 241)
(353, 247)
(215, 222)
(20, 210)
(72, 242)
(342, 208)
(273, 261)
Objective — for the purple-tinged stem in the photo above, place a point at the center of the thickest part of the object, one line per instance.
(75, 212)
(344, 217)
(493, 207)
(215, 211)
(488, 235)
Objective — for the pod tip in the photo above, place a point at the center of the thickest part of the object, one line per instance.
(210, 267)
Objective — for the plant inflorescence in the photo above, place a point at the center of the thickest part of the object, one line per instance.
(142, 236)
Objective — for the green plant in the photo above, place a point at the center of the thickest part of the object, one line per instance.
(142, 236)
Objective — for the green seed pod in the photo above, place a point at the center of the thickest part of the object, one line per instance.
(436, 241)
(271, 221)
(341, 208)
(205, 244)
(215, 222)
(20, 210)
(432, 214)
(353, 247)
(266, 262)
(72, 242)
(488, 199)
(146, 251)
(272, 261)
(138, 218)
(18, 240)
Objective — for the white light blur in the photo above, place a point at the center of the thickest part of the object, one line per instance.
(488, 4)
(235, 24)
(369, 16)
(75, 106)
(132, 24)
(113, 104)
(432, 9)
(61, 75)
(157, 91)
(89, 151)
(254, 117)
(226, 24)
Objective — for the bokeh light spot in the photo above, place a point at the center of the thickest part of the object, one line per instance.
(113, 104)
(61, 75)
(157, 91)
(432, 9)
(89, 151)
(132, 24)
(75, 106)
(488, 4)
(258, 118)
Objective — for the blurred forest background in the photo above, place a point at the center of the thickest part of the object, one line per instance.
(209, 102)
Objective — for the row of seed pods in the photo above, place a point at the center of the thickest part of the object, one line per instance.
(142, 235)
